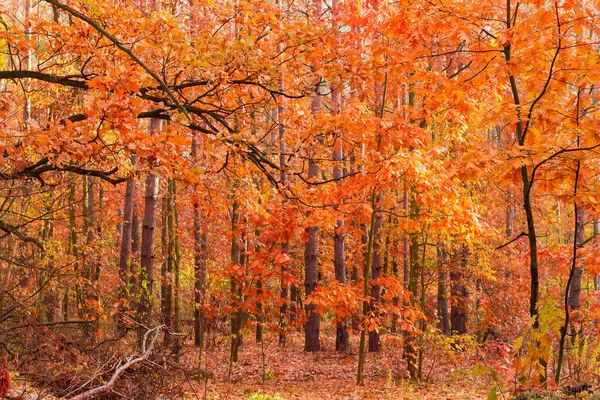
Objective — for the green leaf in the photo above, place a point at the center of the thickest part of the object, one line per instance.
(492, 394)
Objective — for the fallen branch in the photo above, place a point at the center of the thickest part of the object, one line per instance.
(133, 360)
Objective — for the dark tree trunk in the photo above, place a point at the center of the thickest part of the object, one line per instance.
(235, 260)
(459, 294)
(376, 267)
(125, 253)
(575, 288)
(442, 293)
(199, 260)
(146, 273)
(166, 284)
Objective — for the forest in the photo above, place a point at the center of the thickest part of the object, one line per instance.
(299, 199)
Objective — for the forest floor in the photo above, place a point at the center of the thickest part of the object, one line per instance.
(291, 373)
(267, 371)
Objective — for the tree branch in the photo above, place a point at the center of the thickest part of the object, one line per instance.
(13, 230)
(108, 386)
(121, 47)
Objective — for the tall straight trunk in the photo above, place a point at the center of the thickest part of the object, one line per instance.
(366, 284)
(459, 294)
(312, 327)
(74, 252)
(163, 266)
(283, 311)
(89, 297)
(166, 283)
(134, 264)
(410, 350)
(342, 339)
(277, 118)
(364, 240)
(47, 295)
(376, 266)
(442, 292)
(199, 259)
(176, 260)
(146, 273)
(125, 253)
(259, 293)
(235, 260)
(311, 275)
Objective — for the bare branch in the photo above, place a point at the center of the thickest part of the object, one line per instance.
(108, 386)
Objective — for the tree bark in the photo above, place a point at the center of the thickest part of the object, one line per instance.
(199, 261)
(575, 288)
(442, 295)
(459, 294)
(235, 261)
(376, 266)
(146, 273)
(125, 253)
(311, 329)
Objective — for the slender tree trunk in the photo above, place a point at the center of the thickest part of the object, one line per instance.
(199, 260)
(146, 273)
(577, 244)
(526, 189)
(342, 339)
(259, 294)
(283, 311)
(74, 252)
(311, 275)
(90, 297)
(134, 264)
(366, 284)
(168, 242)
(575, 289)
(311, 329)
(125, 253)
(376, 266)
(442, 293)
(235, 260)
(176, 260)
(458, 292)
(410, 350)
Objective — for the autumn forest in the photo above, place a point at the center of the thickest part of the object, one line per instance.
(276, 199)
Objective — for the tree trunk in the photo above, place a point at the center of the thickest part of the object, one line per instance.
(168, 243)
(526, 189)
(366, 284)
(125, 253)
(376, 266)
(575, 288)
(442, 293)
(174, 234)
(342, 339)
(311, 329)
(458, 292)
(134, 267)
(146, 273)
(74, 252)
(410, 350)
(235, 261)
